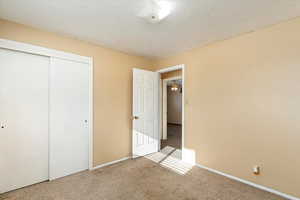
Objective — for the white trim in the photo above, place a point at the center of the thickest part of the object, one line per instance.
(250, 183)
(160, 110)
(38, 50)
(91, 120)
(110, 163)
(183, 118)
(33, 49)
(168, 69)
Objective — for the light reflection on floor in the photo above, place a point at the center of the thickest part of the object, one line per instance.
(170, 158)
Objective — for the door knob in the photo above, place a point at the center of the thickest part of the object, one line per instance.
(135, 117)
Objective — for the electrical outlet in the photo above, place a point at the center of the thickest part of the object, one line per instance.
(256, 170)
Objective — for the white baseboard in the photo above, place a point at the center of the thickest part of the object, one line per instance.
(110, 163)
(250, 183)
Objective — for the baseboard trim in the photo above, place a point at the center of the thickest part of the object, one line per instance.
(110, 163)
(250, 183)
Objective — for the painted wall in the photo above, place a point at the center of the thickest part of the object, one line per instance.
(174, 104)
(112, 86)
(243, 105)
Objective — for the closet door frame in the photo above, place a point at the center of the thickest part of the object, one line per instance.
(38, 50)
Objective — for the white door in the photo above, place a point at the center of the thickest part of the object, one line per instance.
(145, 112)
(23, 119)
(69, 117)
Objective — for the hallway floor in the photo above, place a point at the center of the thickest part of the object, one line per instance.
(174, 137)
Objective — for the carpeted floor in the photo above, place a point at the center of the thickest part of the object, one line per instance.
(140, 179)
(174, 137)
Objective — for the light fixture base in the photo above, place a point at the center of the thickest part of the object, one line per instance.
(155, 11)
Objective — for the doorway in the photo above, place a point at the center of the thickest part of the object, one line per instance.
(172, 110)
(147, 118)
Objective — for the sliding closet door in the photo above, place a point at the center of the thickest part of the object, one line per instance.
(23, 119)
(69, 117)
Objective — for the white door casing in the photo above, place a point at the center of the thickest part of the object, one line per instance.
(69, 117)
(165, 111)
(145, 112)
(188, 155)
(23, 119)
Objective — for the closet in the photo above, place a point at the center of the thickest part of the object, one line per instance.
(45, 114)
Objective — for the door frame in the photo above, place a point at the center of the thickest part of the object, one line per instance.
(164, 70)
(38, 50)
(163, 105)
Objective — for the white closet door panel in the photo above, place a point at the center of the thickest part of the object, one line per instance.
(23, 119)
(69, 117)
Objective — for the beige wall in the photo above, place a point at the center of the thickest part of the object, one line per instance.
(243, 105)
(174, 100)
(112, 87)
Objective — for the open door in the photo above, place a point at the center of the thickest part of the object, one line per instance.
(145, 112)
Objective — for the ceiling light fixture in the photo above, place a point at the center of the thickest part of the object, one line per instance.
(174, 87)
(156, 10)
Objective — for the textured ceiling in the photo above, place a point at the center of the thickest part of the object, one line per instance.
(115, 23)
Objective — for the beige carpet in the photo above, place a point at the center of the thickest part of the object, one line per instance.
(141, 179)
